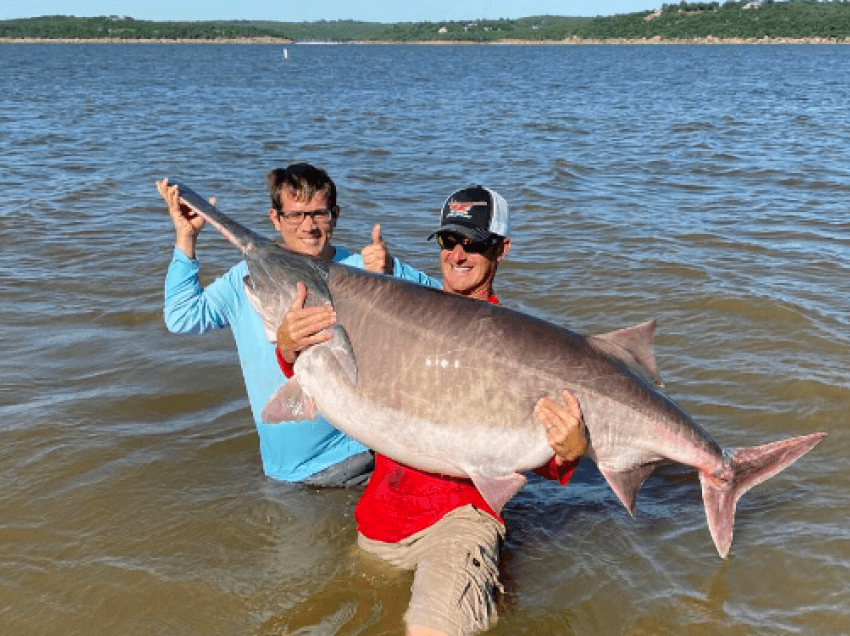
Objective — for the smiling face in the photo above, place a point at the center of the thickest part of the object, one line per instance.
(469, 273)
(310, 237)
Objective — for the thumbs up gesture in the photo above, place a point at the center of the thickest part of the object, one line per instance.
(376, 257)
(303, 326)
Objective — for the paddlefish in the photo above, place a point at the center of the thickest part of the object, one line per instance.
(448, 384)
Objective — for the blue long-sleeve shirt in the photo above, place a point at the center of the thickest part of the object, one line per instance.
(292, 451)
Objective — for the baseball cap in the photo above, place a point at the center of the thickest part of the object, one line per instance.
(476, 213)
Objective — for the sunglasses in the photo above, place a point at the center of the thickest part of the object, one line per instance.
(450, 241)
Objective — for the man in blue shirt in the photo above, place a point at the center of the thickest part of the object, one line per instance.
(304, 212)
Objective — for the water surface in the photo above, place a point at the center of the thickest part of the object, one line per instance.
(702, 186)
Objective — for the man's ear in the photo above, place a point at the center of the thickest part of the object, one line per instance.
(504, 249)
(274, 215)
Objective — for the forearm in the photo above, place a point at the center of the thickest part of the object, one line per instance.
(562, 473)
(187, 308)
(286, 367)
(186, 244)
(405, 271)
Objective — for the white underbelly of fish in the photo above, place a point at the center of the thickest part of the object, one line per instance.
(460, 449)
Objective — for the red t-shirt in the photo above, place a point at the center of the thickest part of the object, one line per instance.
(399, 500)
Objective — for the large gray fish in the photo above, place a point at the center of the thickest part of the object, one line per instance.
(448, 384)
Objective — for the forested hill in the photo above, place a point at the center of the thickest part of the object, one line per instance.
(686, 20)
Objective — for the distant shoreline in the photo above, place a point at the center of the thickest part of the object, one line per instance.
(574, 41)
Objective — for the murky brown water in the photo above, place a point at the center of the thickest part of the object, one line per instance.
(704, 186)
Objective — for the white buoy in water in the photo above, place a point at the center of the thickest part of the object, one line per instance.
(285, 54)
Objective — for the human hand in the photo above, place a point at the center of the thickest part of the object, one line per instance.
(376, 257)
(303, 326)
(564, 425)
(187, 223)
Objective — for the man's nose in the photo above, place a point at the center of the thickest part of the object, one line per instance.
(311, 220)
(458, 253)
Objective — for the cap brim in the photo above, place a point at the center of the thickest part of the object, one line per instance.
(476, 234)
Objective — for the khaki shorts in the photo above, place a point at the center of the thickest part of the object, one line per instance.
(456, 563)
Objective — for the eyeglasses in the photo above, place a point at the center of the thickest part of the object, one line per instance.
(450, 241)
(321, 217)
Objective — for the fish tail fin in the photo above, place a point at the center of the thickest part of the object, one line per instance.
(745, 468)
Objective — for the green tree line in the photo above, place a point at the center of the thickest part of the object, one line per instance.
(683, 20)
(737, 20)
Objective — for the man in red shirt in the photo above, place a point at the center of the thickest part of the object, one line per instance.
(436, 525)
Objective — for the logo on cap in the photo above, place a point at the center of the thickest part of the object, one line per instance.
(461, 208)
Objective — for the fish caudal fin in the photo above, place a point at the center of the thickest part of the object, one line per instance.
(289, 404)
(745, 468)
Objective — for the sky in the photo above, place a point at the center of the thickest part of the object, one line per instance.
(313, 10)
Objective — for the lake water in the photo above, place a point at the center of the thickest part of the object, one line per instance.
(705, 186)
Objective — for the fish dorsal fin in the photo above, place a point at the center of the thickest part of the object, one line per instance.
(632, 345)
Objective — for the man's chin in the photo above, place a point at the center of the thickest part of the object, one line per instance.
(311, 248)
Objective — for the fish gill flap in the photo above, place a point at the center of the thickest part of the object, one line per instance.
(290, 402)
(632, 345)
(343, 353)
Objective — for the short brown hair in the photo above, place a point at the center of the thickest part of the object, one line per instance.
(303, 181)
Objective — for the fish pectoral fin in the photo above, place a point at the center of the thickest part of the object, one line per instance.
(626, 483)
(289, 403)
(632, 345)
(497, 491)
